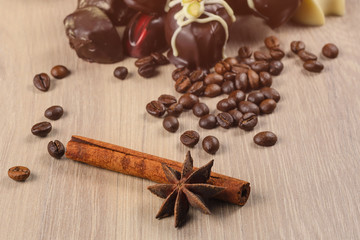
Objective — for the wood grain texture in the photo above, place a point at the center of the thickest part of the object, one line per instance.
(305, 187)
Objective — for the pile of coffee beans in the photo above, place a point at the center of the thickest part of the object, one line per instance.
(147, 65)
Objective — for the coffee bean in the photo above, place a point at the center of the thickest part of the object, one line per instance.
(260, 66)
(246, 107)
(197, 75)
(222, 67)
(200, 109)
(54, 112)
(267, 106)
(121, 73)
(306, 56)
(180, 72)
(211, 144)
(182, 84)
(330, 50)
(56, 149)
(262, 56)
(225, 120)
(237, 95)
(231, 61)
(190, 138)
(42, 82)
(272, 42)
(212, 90)
(265, 139)
(236, 115)
(242, 82)
(230, 76)
(19, 173)
(247, 61)
(175, 110)
(270, 93)
(256, 97)
(214, 78)
(167, 100)
(277, 54)
(226, 104)
(244, 52)
(59, 72)
(197, 88)
(147, 71)
(227, 87)
(208, 121)
(248, 121)
(254, 80)
(297, 46)
(155, 108)
(240, 68)
(276, 67)
(313, 66)
(188, 100)
(171, 124)
(159, 58)
(148, 60)
(265, 79)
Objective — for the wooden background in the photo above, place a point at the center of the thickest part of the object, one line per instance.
(305, 187)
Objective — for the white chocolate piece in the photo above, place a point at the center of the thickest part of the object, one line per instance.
(313, 12)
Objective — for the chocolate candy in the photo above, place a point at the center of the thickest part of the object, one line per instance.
(93, 36)
(147, 6)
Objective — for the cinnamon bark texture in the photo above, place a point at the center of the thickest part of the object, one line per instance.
(134, 163)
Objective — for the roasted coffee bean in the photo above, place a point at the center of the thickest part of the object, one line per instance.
(200, 109)
(214, 78)
(197, 75)
(188, 100)
(180, 72)
(182, 84)
(260, 66)
(54, 112)
(175, 110)
(197, 88)
(265, 139)
(222, 67)
(230, 76)
(237, 95)
(227, 87)
(41, 129)
(211, 144)
(242, 82)
(225, 120)
(313, 66)
(59, 72)
(256, 97)
(276, 67)
(56, 149)
(306, 56)
(330, 50)
(208, 121)
(226, 104)
(248, 121)
(159, 58)
(267, 106)
(42, 82)
(19, 173)
(237, 115)
(247, 61)
(270, 93)
(262, 56)
(240, 68)
(272, 42)
(254, 80)
(171, 124)
(190, 138)
(231, 60)
(167, 100)
(155, 108)
(277, 54)
(244, 52)
(265, 79)
(147, 71)
(121, 73)
(212, 90)
(246, 107)
(297, 46)
(148, 60)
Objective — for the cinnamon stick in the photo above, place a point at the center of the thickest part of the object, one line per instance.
(134, 163)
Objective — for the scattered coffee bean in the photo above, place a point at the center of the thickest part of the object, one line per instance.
(330, 50)
(247, 61)
(208, 121)
(267, 106)
(277, 54)
(147, 71)
(306, 56)
(256, 97)
(197, 88)
(265, 79)
(56, 149)
(313, 66)
(197, 75)
(240, 68)
(262, 56)
(190, 138)
(270, 93)
(222, 67)
(188, 100)
(155, 108)
(180, 72)
(276, 67)
(237, 95)
(244, 52)
(242, 82)
(148, 60)
(237, 115)
(41, 129)
(19, 173)
(212, 90)
(167, 100)
(200, 109)
(225, 120)
(211, 144)
(265, 139)
(246, 107)
(248, 121)
(214, 78)
(121, 73)
(159, 58)
(171, 124)
(226, 105)
(272, 42)
(297, 46)
(230, 76)
(59, 72)
(231, 60)
(254, 80)
(42, 82)
(227, 87)
(54, 112)
(182, 84)
(175, 110)
(260, 66)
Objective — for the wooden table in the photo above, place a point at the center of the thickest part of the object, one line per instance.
(305, 187)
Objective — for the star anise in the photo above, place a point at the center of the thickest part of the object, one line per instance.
(187, 187)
